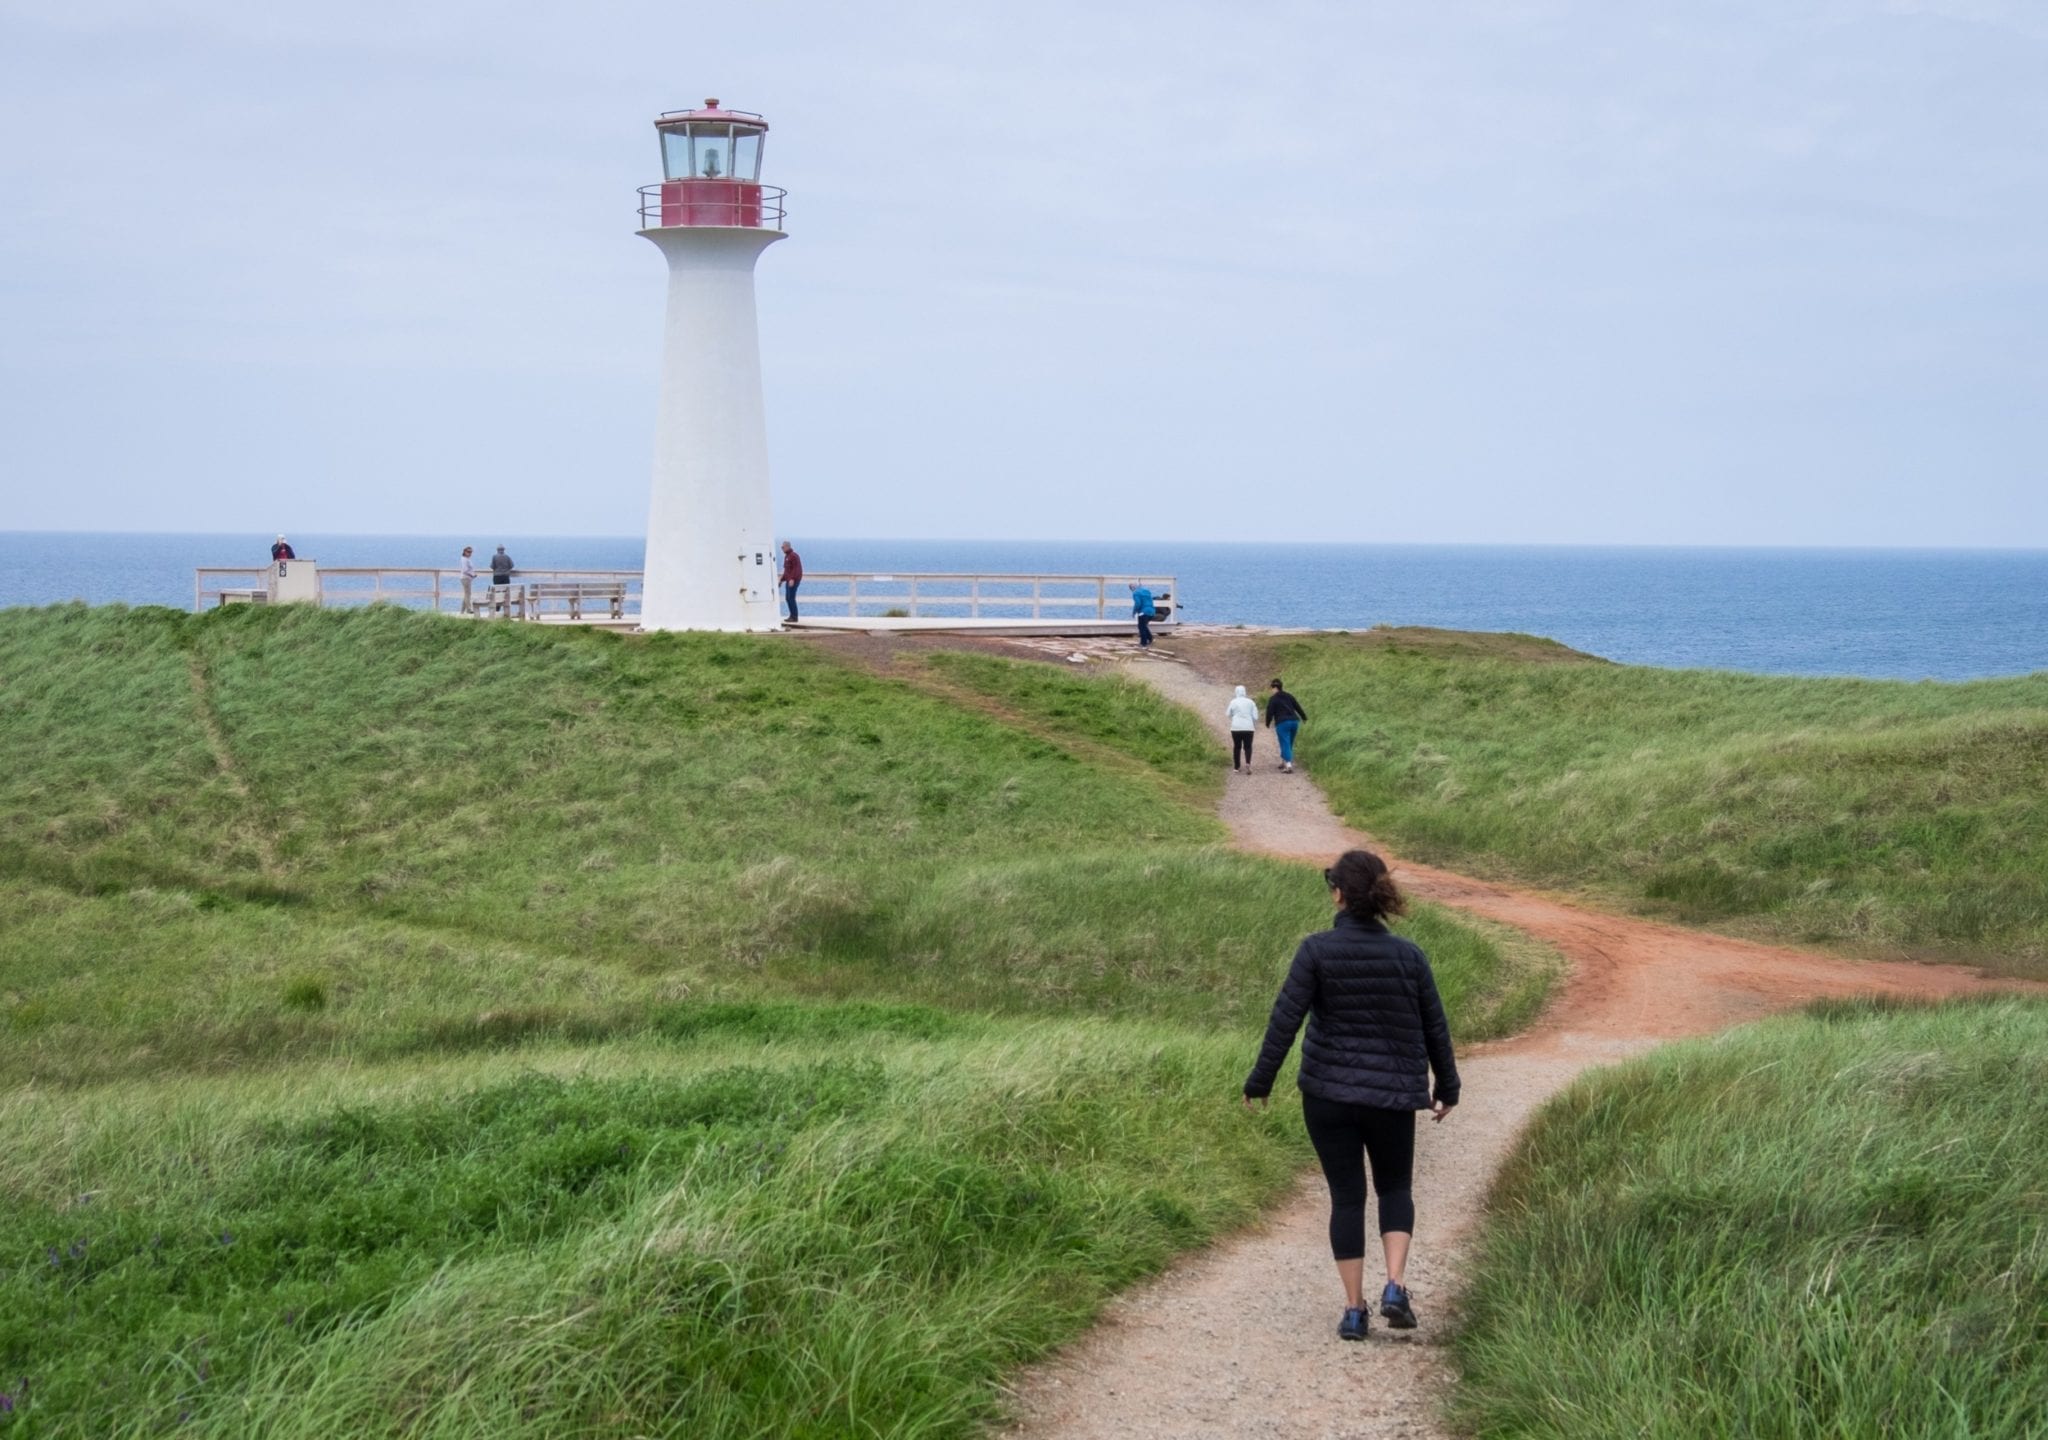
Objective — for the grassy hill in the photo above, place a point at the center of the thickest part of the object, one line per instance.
(1820, 1225)
(1880, 816)
(418, 1027)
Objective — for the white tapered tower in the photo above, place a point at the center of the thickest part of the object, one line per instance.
(711, 563)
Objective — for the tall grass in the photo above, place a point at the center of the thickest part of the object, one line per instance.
(1903, 818)
(1821, 1225)
(410, 1026)
(796, 1236)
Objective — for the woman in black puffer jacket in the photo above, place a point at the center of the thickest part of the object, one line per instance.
(1376, 1032)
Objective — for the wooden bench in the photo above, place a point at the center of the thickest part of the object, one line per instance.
(609, 593)
(509, 600)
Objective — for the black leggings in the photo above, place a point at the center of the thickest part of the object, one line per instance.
(1241, 744)
(1345, 1137)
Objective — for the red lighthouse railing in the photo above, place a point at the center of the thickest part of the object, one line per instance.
(733, 204)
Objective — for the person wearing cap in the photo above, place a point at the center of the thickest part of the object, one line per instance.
(501, 577)
(281, 549)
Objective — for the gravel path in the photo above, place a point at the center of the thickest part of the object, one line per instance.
(1240, 1340)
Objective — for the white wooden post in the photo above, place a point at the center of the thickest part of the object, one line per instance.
(853, 594)
(974, 598)
(913, 597)
(1035, 615)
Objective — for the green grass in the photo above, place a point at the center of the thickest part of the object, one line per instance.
(418, 1027)
(1821, 1225)
(1879, 816)
(1110, 709)
(763, 1233)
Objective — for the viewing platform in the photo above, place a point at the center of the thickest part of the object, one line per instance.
(992, 604)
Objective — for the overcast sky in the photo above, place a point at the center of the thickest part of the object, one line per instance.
(1768, 272)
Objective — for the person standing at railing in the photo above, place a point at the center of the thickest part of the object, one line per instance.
(468, 578)
(281, 549)
(1143, 608)
(501, 578)
(792, 576)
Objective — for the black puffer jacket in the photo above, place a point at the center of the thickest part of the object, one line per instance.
(1376, 1030)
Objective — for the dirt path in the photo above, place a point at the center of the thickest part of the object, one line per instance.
(1239, 1341)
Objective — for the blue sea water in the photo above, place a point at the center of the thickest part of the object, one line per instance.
(1907, 614)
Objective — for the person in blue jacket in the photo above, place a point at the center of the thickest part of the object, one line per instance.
(1142, 607)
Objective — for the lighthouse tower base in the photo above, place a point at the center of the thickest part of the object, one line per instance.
(711, 561)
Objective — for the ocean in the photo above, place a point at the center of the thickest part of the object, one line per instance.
(1895, 614)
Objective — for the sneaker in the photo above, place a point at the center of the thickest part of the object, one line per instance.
(1353, 1325)
(1395, 1309)
(1288, 768)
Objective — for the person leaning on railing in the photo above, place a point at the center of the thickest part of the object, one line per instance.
(501, 578)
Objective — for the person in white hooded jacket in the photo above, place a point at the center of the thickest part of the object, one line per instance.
(1244, 724)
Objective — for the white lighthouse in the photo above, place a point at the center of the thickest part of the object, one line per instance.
(711, 563)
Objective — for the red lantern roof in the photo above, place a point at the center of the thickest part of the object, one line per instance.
(711, 111)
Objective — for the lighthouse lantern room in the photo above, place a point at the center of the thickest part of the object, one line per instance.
(711, 159)
(711, 562)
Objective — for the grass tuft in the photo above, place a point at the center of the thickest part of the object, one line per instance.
(306, 992)
(1825, 1224)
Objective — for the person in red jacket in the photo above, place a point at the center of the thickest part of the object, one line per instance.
(792, 576)
(282, 550)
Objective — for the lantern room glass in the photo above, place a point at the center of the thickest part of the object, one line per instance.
(711, 150)
(746, 154)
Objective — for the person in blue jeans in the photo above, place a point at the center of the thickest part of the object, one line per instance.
(1283, 717)
(791, 577)
(1142, 607)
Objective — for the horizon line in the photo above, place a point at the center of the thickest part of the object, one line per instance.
(1149, 540)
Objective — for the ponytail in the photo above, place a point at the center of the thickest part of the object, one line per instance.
(1369, 891)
